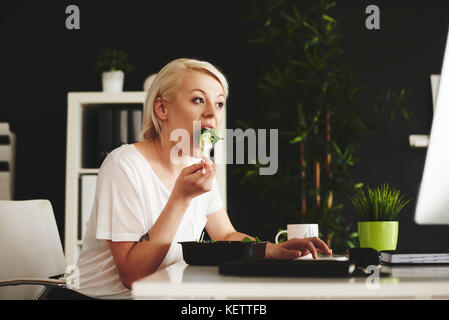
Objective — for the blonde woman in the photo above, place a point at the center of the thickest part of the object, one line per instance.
(145, 202)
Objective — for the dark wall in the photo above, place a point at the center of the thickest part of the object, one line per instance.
(408, 48)
(42, 61)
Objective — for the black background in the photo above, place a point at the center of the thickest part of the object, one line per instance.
(41, 61)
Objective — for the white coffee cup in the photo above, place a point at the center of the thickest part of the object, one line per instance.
(299, 231)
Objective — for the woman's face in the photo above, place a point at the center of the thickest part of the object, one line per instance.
(200, 98)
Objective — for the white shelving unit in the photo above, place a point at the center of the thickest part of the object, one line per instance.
(76, 104)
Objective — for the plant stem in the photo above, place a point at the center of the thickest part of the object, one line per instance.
(317, 183)
(317, 174)
(328, 160)
(303, 165)
(328, 166)
(329, 240)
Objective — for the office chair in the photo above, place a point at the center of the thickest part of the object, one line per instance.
(31, 256)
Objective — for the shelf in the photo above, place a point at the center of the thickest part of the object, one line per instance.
(77, 104)
(88, 171)
(89, 98)
(418, 141)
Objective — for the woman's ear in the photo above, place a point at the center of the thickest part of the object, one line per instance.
(160, 108)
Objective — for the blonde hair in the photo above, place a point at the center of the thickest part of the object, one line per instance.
(148, 81)
(166, 84)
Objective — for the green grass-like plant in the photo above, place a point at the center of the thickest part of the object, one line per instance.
(380, 204)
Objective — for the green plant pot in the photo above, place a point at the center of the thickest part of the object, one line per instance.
(379, 235)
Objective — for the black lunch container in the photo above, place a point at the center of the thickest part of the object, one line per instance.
(213, 253)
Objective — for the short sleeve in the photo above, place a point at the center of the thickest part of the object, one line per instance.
(118, 206)
(215, 202)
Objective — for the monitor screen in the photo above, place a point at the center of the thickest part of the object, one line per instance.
(432, 206)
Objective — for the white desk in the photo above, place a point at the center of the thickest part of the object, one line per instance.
(181, 281)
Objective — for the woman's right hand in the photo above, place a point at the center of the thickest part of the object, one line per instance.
(191, 181)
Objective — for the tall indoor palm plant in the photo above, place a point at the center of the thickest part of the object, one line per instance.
(311, 98)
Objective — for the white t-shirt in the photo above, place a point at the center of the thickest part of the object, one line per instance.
(129, 198)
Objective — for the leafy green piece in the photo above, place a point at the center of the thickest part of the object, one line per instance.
(208, 138)
(247, 239)
(211, 134)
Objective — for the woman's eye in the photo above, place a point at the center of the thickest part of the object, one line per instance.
(198, 100)
(220, 105)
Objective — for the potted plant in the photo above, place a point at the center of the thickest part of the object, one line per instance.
(377, 210)
(112, 64)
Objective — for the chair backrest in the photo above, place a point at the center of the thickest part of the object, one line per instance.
(30, 246)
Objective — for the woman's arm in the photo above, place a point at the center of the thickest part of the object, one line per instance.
(219, 227)
(136, 260)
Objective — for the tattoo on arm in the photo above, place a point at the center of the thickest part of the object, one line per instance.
(144, 237)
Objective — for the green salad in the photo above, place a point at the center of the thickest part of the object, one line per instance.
(246, 239)
(208, 138)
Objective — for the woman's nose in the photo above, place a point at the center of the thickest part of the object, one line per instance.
(209, 109)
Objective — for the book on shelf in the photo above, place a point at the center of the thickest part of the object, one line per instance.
(117, 125)
(423, 257)
(5, 148)
(105, 133)
(134, 124)
(87, 196)
(5, 181)
(120, 127)
(6, 143)
(7, 152)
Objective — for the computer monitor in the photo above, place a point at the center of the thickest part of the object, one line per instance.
(432, 206)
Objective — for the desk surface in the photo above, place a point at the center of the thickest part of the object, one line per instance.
(181, 281)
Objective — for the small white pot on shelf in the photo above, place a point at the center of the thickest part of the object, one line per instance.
(113, 81)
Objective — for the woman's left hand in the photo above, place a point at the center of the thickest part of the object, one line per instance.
(295, 248)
